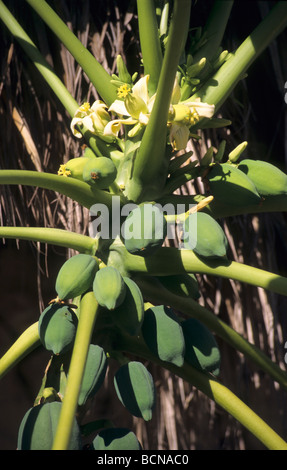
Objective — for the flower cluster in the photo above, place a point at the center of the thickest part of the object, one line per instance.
(133, 108)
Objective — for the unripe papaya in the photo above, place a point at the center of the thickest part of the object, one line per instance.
(99, 172)
(201, 349)
(163, 334)
(231, 186)
(116, 439)
(267, 178)
(185, 285)
(74, 167)
(109, 287)
(204, 236)
(57, 328)
(130, 313)
(76, 276)
(135, 389)
(144, 229)
(94, 373)
(38, 428)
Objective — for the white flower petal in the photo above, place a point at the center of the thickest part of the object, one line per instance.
(143, 118)
(179, 135)
(74, 122)
(203, 109)
(140, 89)
(119, 108)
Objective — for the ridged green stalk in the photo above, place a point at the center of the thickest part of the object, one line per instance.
(94, 70)
(229, 74)
(87, 319)
(216, 391)
(26, 343)
(53, 236)
(149, 41)
(174, 261)
(40, 63)
(70, 187)
(193, 309)
(149, 171)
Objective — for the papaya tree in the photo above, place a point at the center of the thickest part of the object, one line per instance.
(128, 294)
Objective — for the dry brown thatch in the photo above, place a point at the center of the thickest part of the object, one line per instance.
(34, 134)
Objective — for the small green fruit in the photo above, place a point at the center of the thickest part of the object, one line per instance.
(144, 230)
(38, 428)
(57, 328)
(116, 439)
(99, 172)
(135, 389)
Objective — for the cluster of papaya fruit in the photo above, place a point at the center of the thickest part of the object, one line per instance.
(99, 172)
(245, 183)
(170, 339)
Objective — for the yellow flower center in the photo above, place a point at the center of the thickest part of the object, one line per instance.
(63, 172)
(123, 90)
(194, 117)
(84, 107)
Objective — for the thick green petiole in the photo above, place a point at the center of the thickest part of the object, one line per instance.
(150, 43)
(193, 309)
(87, 319)
(70, 187)
(217, 89)
(27, 342)
(52, 236)
(214, 390)
(40, 63)
(149, 171)
(94, 70)
(173, 261)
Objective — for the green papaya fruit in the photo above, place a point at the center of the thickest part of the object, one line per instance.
(204, 235)
(109, 287)
(163, 334)
(267, 178)
(76, 276)
(130, 313)
(94, 373)
(116, 439)
(57, 328)
(201, 349)
(135, 389)
(38, 428)
(184, 285)
(99, 172)
(74, 167)
(144, 229)
(231, 186)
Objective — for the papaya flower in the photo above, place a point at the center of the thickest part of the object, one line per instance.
(134, 108)
(94, 118)
(183, 115)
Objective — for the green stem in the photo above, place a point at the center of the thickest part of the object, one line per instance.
(174, 261)
(217, 210)
(27, 342)
(40, 63)
(149, 172)
(214, 390)
(70, 187)
(88, 315)
(94, 70)
(54, 236)
(158, 295)
(217, 89)
(149, 41)
(214, 28)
